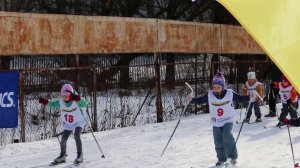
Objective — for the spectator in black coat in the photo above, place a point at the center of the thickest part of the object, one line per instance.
(275, 74)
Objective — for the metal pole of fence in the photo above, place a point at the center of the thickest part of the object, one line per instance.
(158, 92)
(21, 103)
(95, 124)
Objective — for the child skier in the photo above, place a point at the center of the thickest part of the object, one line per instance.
(253, 87)
(72, 119)
(289, 100)
(222, 115)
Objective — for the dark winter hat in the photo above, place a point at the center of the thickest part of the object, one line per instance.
(219, 79)
(285, 79)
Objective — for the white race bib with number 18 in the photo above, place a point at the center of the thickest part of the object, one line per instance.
(71, 117)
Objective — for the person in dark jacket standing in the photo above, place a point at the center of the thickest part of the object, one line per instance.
(275, 74)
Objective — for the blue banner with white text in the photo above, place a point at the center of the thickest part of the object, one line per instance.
(9, 93)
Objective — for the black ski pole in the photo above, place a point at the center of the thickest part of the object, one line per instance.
(264, 104)
(174, 131)
(294, 109)
(133, 122)
(43, 110)
(58, 139)
(57, 136)
(93, 134)
(237, 138)
(288, 128)
(181, 114)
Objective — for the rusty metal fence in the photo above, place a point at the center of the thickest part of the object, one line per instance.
(110, 104)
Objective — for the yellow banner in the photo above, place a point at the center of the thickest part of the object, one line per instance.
(275, 26)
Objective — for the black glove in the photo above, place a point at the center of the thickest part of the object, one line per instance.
(288, 102)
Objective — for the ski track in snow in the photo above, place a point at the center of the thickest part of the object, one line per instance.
(141, 146)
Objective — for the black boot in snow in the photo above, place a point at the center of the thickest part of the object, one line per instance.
(280, 124)
(247, 119)
(258, 119)
(233, 162)
(220, 163)
(270, 115)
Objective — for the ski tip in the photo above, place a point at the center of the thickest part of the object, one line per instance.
(52, 163)
(102, 156)
(240, 122)
(56, 163)
(275, 126)
(77, 163)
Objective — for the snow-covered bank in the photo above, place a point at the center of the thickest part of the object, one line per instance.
(141, 146)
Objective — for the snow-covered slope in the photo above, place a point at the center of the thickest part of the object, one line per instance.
(141, 146)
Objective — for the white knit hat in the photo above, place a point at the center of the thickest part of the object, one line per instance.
(251, 75)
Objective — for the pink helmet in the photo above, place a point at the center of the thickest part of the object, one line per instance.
(66, 90)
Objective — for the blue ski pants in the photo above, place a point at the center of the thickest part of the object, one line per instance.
(224, 142)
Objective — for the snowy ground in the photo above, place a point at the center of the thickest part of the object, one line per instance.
(141, 146)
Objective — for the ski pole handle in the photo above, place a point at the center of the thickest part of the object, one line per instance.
(190, 87)
(264, 104)
(259, 96)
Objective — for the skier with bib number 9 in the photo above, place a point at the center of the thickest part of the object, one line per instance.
(222, 113)
(70, 104)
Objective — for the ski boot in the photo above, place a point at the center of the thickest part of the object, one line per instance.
(79, 158)
(246, 120)
(60, 159)
(220, 163)
(233, 162)
(258, 119)
(280, 124)
(270, 115)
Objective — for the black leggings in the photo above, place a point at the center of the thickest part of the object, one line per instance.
(64, 139)
(272, 100)
(289, 109)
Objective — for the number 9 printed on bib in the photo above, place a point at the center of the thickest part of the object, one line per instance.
(220, 112)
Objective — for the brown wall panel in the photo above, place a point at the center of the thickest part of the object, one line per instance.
(37, 34)
(188, 37)
(117, 35)
(23, 33)
(236, 40)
